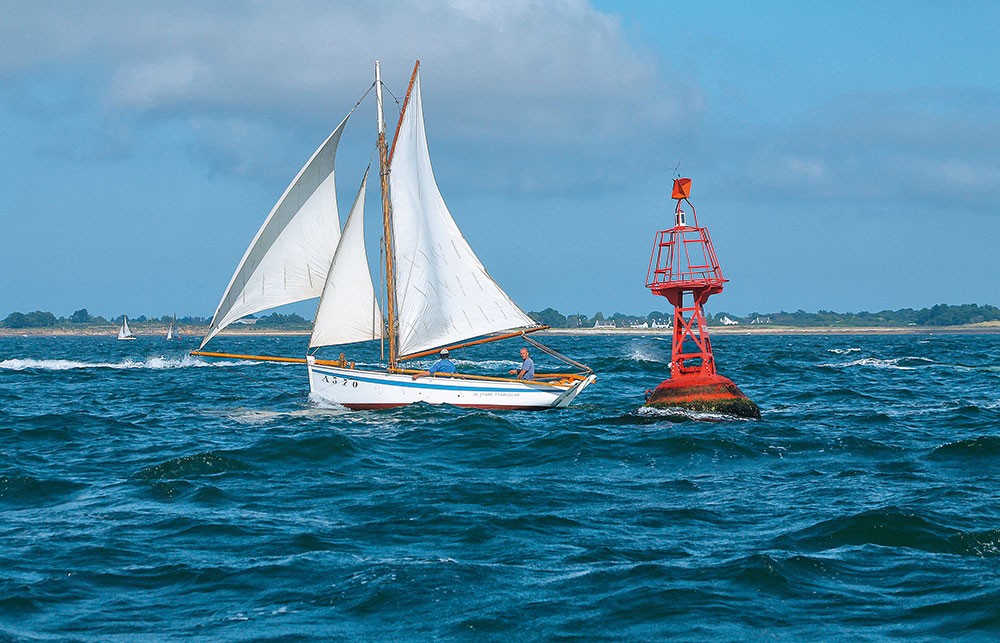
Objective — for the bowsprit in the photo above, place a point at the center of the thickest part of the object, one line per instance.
(684, 269)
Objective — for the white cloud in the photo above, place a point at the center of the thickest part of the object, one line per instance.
(167, 80)
(541, 84)
(936, 145)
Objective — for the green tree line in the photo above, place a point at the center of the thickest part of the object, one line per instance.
(939, 315)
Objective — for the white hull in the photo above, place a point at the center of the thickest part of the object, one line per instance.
(361, 389)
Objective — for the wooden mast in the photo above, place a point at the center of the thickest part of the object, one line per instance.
(384, 159)
(383, 164)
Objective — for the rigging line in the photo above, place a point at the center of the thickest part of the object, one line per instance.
(363, 96)
(556, 354)
(386, 88)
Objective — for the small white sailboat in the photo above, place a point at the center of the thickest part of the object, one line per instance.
(437, 292)
(172, 333)
(124, 333)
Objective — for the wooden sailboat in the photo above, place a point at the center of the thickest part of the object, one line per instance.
(437, 292)
(124, 333)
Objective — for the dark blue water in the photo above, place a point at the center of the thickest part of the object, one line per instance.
(145, 494)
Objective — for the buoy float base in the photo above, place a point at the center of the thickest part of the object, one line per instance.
(703, 393)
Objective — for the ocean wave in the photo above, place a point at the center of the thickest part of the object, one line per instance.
(151, 363)
(687, 445)
(198, 464)
(311, 448)
(256, 417)
(896, 528)
(986, 446)
(682, 415)
(648, 355)
(24, 490)
(843, 351)
(899, 363)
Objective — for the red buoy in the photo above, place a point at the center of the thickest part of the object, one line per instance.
(684, 269)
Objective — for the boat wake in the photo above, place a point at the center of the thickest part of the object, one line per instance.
(152, 363)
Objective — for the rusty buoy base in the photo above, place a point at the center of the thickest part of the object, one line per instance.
(705, 394)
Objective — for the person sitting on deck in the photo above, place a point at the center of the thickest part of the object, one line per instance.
(527, 371)
(443, 365)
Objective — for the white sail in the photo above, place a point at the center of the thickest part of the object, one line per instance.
(443, 292)
(124, 332)
(289, 258)
(348, 311)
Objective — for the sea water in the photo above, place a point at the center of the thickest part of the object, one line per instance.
(148, 494)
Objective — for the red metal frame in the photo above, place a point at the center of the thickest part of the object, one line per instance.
(683, 265)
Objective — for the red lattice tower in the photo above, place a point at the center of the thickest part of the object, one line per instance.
(684, 268)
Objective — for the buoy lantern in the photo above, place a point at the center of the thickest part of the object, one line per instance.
(684, 269)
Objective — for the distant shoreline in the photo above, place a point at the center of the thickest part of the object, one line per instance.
(985, 328)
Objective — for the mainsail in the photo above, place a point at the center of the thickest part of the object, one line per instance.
(290, 257)
(443, 292)
(348, 311)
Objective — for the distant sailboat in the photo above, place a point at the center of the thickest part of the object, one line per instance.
(437, 293)
(172, 330)
(124, 332)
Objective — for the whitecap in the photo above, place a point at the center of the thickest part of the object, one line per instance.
(647, 354)
(152, 363)
(673, 412)
(894, 363)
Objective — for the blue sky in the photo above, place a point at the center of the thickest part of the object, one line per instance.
(844, 155)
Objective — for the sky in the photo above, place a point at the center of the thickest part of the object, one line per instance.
(845, 156)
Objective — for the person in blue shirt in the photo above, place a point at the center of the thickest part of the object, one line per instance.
(443, 365)
(527, 371)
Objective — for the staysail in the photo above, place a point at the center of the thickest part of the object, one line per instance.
(290, 257)
(443, 292)
(348, 311)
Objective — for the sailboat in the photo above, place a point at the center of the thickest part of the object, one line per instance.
(124, 332)
(172, 333)
(437, 293)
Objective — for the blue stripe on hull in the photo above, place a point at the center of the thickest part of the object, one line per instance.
(436, 386)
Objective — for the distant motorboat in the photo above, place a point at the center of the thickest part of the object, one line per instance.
(124, 332)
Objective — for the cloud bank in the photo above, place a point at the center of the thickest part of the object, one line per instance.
(543, 85)
(523, 97)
